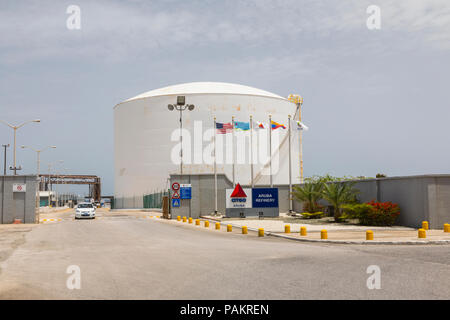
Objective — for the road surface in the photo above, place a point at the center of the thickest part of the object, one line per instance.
(130, 256)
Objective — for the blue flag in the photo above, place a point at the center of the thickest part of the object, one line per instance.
(241, 125)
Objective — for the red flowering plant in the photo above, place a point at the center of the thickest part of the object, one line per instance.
(381, 214)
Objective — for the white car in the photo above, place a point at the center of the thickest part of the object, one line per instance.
(85, 210)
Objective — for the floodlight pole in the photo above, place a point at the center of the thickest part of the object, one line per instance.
(181, 106)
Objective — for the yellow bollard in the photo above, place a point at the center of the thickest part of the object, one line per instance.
(323, 234)
(197, 222)
(425, 225)
(206, 224)
(422, 233)
(369, 235)
(190, 220)
(217, 226)
(287, 229)
(184, 219)
(261, 232)
(229, 228)
(244, 230)
(446, 227)
(178, 218)
(303, 231)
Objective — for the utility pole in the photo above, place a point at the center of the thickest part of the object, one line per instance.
(3, 179)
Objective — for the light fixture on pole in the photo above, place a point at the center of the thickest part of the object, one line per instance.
(181, 106)
(15, 168)
(3, 180)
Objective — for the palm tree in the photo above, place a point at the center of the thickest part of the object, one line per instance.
(338, 194)
(310, 193)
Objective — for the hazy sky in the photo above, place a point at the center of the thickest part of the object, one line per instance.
(375, 100)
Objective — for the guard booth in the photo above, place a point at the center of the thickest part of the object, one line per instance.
(18, 200)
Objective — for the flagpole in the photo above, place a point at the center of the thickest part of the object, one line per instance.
(215, 169)
(270, 150)
(251, 150)
(232, 145)
(301, 142)
(290, 167)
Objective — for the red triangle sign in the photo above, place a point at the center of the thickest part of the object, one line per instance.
(238, 192)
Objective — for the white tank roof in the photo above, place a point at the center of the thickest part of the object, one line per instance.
(206, 88)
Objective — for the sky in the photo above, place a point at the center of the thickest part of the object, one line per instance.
(375, 100)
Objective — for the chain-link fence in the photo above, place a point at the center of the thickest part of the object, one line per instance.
(154, 200)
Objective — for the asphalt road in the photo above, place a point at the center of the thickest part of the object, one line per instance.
(125, 257)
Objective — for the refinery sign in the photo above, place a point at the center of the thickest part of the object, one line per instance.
(243, 202)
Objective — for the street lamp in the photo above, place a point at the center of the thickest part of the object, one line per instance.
(15, 168)
(181, 106)
(38, 166)
(3, 180)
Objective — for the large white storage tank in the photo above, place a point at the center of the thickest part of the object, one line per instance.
(143, 129)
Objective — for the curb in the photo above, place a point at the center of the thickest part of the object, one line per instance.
(368, 242)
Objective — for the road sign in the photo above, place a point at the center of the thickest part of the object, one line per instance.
(175, 186)
(176, 203)
(186, 191)
(19, 187)
(175, 195)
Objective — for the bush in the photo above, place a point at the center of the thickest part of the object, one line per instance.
(380, 214)
(314, 215)
(355, 211)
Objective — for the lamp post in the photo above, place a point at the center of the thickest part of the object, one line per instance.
(38, 166)
(181, 106)
(3, 178)
(15, 168)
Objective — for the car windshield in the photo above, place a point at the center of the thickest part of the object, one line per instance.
(85, 205)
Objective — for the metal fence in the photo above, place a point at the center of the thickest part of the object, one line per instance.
(154, 200)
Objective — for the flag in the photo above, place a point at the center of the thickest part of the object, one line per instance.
(242, 125)
(259, 125)
(276, 125)
(301, 126)
(223, 128)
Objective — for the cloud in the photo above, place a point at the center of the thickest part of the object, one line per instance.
(117, 30)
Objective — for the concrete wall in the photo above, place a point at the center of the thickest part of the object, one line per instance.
(18, 205)
(420, 198)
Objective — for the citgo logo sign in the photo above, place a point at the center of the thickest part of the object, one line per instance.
(239, 197)
(238, 194)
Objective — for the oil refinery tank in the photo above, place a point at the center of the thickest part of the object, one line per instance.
(145, 134)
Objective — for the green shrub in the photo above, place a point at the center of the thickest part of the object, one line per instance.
(314, 215)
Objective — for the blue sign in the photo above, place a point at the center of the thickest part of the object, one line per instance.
(265, 198)
(186, 191)
(176, 203)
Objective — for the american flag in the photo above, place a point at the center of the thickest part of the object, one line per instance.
(223, 128)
